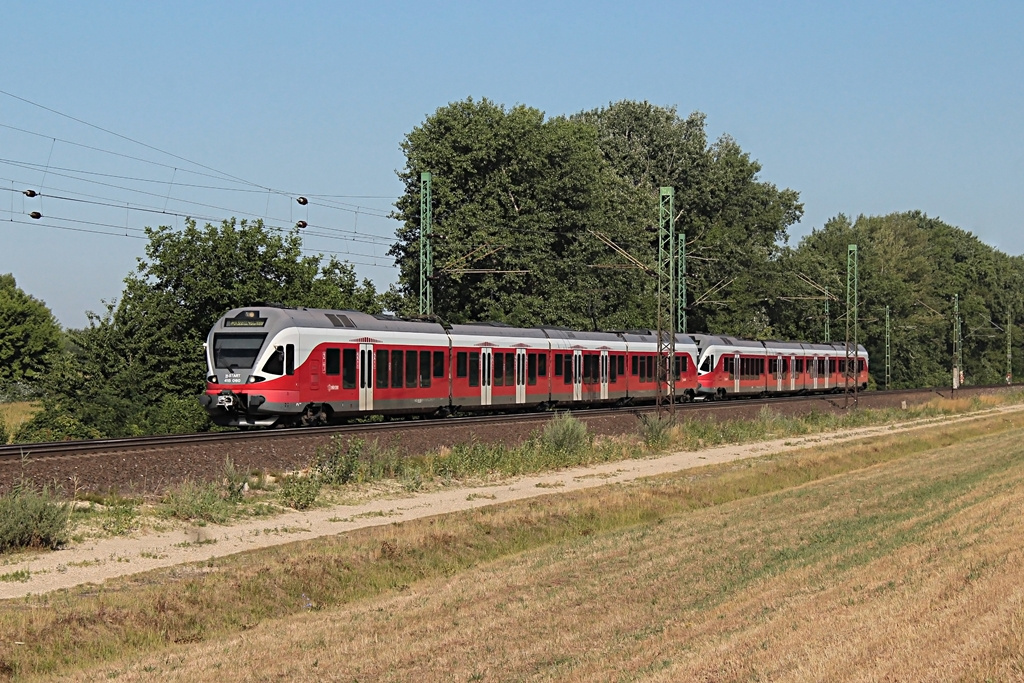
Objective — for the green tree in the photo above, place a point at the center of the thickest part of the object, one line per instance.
(514, 195)
(137, 368)
(29, 334)
(915, 265)
(514, 191)
(735, 223)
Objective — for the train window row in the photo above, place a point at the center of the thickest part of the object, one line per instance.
(753, 368)
(414, 367)
(501, 366)
(643, 366)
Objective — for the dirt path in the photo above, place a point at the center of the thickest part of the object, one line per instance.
(96, 561)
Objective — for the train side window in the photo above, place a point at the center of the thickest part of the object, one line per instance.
(397, 363)
(348, 378)
(612, 370)
(474, 369)
(411, 369)
(799, 365)
(510, 369)
(438, 363)
(382, 369)
(860, 365)
(499, 369)
(460, 364)
(558, 365)
(570, 361)
(275, 364)
(620, 360)
(636, 366)
(424, 369)
(333, 362)
(531, 369)
(289, 359)
(542, 365)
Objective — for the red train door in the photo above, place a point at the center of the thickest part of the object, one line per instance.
(577, 375)
(366, 377)
(485, 376)
(520, 376)
(604, 375)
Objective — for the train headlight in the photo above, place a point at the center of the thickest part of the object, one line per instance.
(255, 378)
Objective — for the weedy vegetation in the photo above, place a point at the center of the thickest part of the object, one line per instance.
(33, 517)
(12, 416)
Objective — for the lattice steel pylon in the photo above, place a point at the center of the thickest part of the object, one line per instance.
(667, 303)
(681, 284)
(851, 316)
(958, 343)
(888, 357)
(426, 248)
(1009, 346)
(828, 333)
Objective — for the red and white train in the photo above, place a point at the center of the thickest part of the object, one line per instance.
(274, 365)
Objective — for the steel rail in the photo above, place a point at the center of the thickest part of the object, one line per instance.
(17, 452)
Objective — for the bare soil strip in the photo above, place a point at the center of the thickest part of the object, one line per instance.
(99, 560)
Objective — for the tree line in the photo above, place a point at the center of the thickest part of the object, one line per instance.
(523, 208)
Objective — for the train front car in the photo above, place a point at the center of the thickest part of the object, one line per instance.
(305, 366)
(251, 362)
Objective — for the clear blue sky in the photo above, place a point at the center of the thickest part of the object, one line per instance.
(867, 107)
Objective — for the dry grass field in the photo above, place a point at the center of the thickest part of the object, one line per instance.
(895, 558)
(14, 414)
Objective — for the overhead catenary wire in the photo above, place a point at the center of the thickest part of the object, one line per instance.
(121, 232)
(355, 209)
(112, 203)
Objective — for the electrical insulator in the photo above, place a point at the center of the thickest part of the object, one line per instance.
(30, 193)
(301, 224)
(36, 215)
(302, 200)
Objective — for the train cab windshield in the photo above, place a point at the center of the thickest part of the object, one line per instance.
(236, 351)
(706, 365)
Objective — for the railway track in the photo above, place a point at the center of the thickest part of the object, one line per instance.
(150, 463)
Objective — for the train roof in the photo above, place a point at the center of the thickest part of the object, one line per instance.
(496, 330)
(327, 319)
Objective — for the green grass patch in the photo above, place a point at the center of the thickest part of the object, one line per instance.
(21, 575)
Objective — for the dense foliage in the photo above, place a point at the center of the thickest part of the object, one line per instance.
(915, 265)
(522, 197)
(29, 334)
